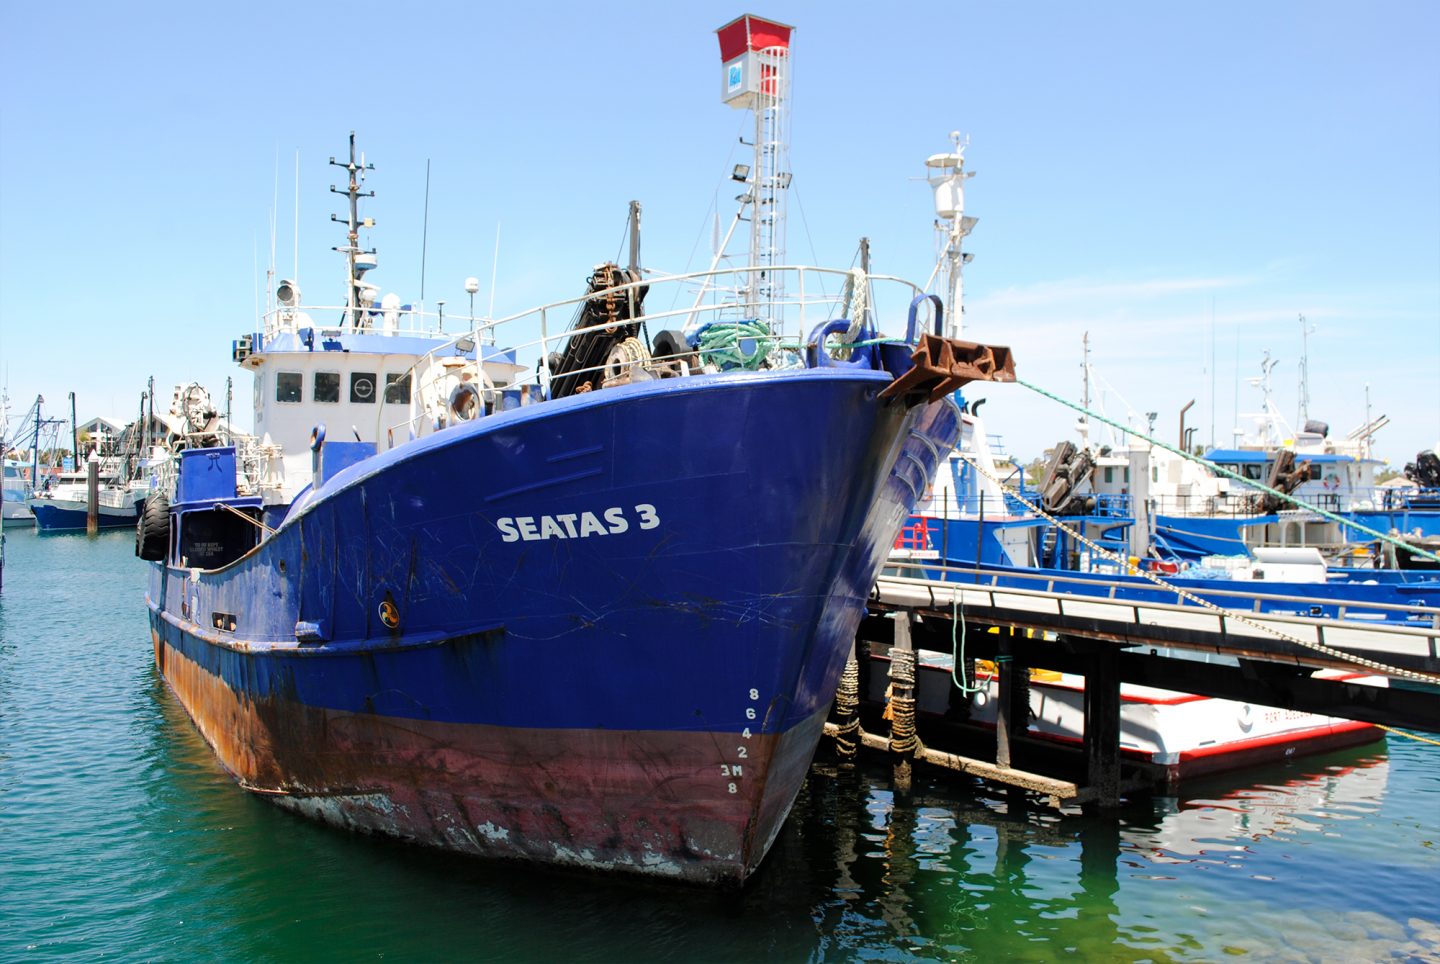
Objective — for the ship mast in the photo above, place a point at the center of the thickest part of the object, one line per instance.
(948, 177)
(355, 265)
(755, 54)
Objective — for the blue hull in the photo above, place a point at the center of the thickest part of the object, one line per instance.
(1405, 521)
(1192, 538)
(622, 615)
(52, 518)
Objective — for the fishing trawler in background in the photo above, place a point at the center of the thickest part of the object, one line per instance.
(1200, 511)
(1097, 518)
(590, 613)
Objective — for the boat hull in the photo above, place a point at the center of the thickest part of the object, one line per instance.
(54, 515)
(644, 698)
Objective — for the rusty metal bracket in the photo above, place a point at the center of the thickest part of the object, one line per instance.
(941, 365)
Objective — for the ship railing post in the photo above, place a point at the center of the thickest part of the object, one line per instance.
(847, 708)
(903, 741)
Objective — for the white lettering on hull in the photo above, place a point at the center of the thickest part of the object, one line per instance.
(576, 525)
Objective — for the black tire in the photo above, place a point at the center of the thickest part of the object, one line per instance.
(152, 531)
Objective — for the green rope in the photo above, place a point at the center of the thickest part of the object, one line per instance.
(1414, 550)
(957, 656)
(721, 345)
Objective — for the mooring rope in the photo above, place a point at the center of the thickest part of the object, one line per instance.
(902, 723)
(1220, 470)
(248, 518)
(847, 708)
(1408, 736)
(1205, 603)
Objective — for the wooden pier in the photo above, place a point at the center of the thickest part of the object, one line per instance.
(1110, 641)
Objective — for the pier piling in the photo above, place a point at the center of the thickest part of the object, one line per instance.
(847, 709)
(1102, 725)
(902, 703)
(1013, 711)
(92, 497)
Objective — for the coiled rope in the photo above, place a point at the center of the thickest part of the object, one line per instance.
(721, 344)
(1205, 603)
(1220, 470)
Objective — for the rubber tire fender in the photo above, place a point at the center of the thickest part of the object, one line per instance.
(152, 530)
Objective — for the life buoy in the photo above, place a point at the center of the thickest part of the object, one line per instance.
(1331, 482)
(465, 402)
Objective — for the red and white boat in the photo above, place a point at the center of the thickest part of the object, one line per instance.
(1182, 734)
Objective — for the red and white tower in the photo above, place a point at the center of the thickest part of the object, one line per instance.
(755, 54)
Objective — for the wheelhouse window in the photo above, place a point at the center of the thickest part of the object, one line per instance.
(289, 386)
(327, 387)
(397, 389)
(362, 387)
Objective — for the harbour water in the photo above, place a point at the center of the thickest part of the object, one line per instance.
(121, 837)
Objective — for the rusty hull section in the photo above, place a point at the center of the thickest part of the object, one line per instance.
(657, 803)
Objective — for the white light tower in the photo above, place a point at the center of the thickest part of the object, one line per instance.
(947, 176)
(755, 54)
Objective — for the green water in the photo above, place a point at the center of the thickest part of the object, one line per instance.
(120, 837)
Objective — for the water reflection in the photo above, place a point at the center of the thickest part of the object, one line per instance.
(122, 836)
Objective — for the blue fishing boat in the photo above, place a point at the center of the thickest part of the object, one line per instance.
(590, 614)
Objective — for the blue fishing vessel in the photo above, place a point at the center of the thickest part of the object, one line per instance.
(588, 614)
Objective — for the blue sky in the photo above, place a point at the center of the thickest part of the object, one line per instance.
(1142, 169)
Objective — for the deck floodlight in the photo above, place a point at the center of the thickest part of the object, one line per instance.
(287, 293)
(741, 173)
(782, 180)
(465, 345)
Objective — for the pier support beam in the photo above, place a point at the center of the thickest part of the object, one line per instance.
(903, 741)
(1012, 715)
(1102, 726)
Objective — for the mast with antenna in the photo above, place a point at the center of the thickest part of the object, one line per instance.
(948, 177)
(635, 238)
(755, 54)
(1305, 330)
(355, 265)
(1085, 369)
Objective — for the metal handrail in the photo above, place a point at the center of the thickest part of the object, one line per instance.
(1052, 578)
(955, 591)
